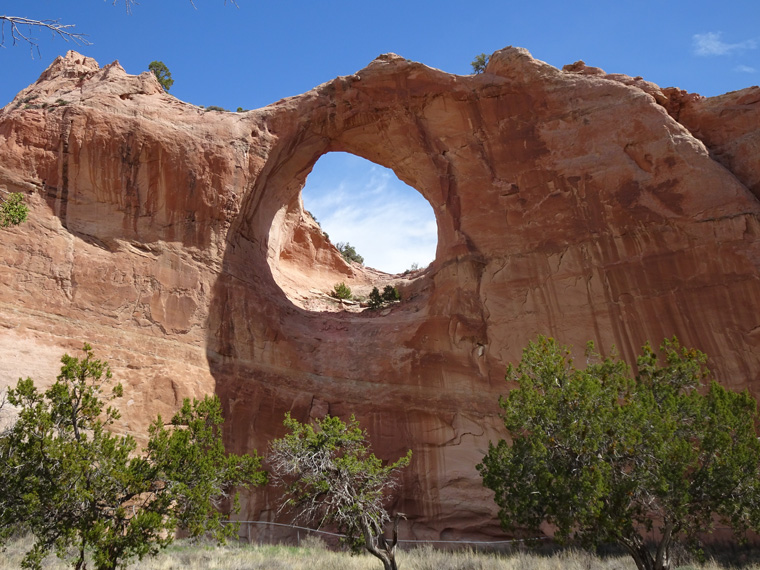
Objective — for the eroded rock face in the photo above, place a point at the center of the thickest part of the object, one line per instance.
(571, 203)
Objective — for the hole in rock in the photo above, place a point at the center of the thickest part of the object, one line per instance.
(349, 200)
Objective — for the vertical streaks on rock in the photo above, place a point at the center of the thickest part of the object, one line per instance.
(568, 203)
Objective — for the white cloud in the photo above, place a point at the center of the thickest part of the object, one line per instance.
(390, 224)
(745, 69)
(710, 43)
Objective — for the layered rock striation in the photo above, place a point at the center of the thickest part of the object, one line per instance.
(569, 202)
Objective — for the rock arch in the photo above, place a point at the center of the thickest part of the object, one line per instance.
(546, 224)
(555, 216)
(381, 367)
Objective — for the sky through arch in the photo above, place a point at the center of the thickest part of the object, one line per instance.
(388, 222)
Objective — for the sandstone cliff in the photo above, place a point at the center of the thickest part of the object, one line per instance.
(569, 202)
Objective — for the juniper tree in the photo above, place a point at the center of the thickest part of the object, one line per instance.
(606, 456)
(330, 477)
(162, 73)
(479, 63)
(86, 492)
(349, 253)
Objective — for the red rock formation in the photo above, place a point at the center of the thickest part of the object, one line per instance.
(728, 125)
(571, 203)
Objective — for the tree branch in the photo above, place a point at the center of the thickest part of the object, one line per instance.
(65, 31)
(17, 34)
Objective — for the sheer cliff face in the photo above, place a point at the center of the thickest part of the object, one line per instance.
(571, 203)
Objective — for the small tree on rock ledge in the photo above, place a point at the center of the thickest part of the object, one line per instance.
(162, 73)
(349, 253)
(479, 63)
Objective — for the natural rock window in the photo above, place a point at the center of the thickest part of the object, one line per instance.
(347, 199)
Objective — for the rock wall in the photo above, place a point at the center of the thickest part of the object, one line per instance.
(569, 202)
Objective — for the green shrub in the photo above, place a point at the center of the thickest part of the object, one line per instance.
(375, 299)
(349, 253)
(479, 63)
(13, 211)
(390, 294)
(341, 291)
(84, 491)
(330, 476)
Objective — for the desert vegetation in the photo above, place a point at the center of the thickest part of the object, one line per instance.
(87, 494)
(162, 73)
(377, 300)
(479, 63)
(341, 291)
(645, 462)
(13, 211)
(330, 477)
(607, 456)
(313, 555)
(349, 253)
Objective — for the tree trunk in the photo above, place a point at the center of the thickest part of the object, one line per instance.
(380, 547)
(643, 558)
(372, 547)
(662, 562)
(81, 563)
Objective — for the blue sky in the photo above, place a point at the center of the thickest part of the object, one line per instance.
(389, 223)
(261, 51)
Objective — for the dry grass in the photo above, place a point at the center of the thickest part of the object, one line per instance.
(314, 556)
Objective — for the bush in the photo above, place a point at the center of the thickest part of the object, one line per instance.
(479, 63)
(341, 291)
(13, 211)
(349, 253)
(375, 299)
(607, 457)
(391, 294)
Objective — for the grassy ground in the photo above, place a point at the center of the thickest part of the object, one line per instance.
(314, 556)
